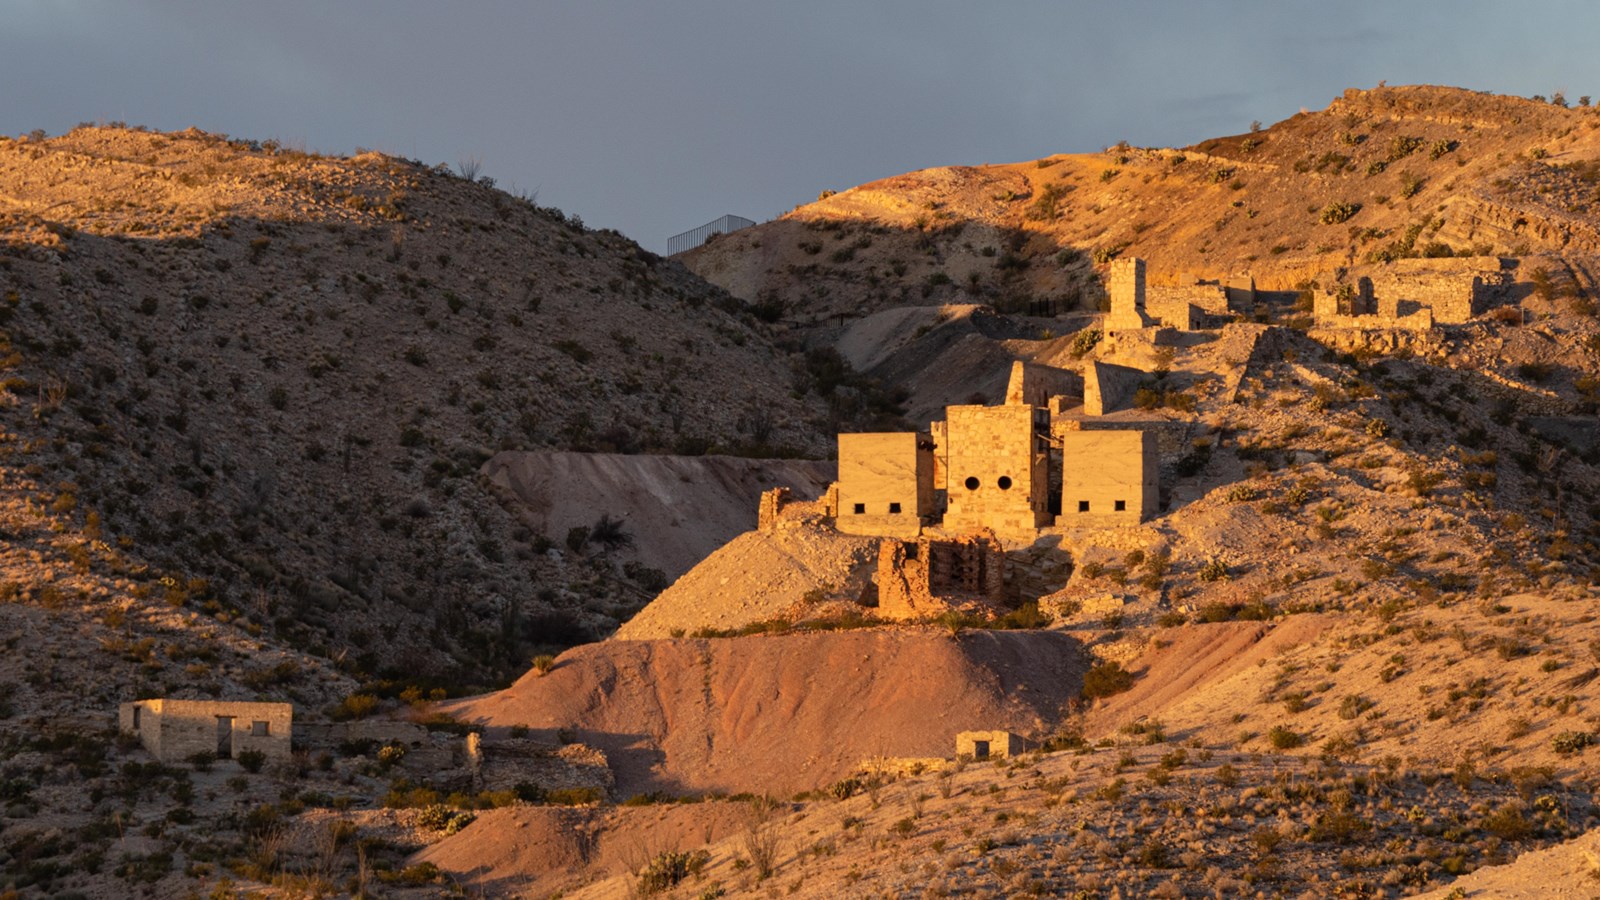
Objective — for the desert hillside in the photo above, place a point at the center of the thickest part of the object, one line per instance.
(1378, 174)
(373, 438)
(281, 374)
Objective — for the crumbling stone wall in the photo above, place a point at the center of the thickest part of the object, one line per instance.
(1033, 384)
(1108, 388)
(1411, 294)
(175, 730)
(778, 506)
(504, 764)
(930, 576)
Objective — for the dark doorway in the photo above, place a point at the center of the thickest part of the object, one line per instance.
(224, 737)
(980, 749)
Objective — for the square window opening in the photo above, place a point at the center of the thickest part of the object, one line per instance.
(1083, 506)
(861, 509)
(1122, 506)
(894, 509)
(260, 729)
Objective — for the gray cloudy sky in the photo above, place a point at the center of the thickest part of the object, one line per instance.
(653, 117)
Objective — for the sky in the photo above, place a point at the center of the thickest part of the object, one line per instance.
(653, 117)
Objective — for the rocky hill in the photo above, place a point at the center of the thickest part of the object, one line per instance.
(292, 427)
(280, 374)
(1378, 174)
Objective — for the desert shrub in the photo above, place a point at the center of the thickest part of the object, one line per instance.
(543, 663)
(1337, 212)
(1508, 823)
(1569, 743)
(355, 706)
(1105, 680)
(252, 760)
(1282, 738)
(1028, 615)
(1085, 340)
(1353, 706)
(1214, 570)
(669, 868)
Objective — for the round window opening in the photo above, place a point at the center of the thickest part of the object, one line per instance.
(972, 484)
(1004, 482)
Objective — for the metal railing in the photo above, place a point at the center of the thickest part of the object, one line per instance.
(695, 237)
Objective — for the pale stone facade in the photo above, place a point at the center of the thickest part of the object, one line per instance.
(1109, 478)
(997, 462)
(885, 482)
(989, 744)
(175, 730)
(1125, 285)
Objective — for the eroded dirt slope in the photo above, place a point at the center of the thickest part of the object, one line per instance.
(675, 510)
(787, 713)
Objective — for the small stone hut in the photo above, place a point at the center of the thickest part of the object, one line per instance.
(175, 730)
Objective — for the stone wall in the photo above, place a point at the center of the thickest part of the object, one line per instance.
(885, 482)
(175, 730)
(777, 507)
(989, 744)
(997, 468)
(1108, 388)
(921, 579)
(1033, 384)
(1125, 284)
(1411, 294)
(505, 764)
(1109, 478)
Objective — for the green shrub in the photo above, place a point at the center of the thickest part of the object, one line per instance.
(252, 760)
(669, 868)
(1335, 213)
(1282, 738)
(1569, 743)
(355, 706)
(1105, 680)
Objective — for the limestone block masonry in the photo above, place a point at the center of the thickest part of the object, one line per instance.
(1109, 478)
(885, 482)
(998, 468)
(989, 744)
(175, 730)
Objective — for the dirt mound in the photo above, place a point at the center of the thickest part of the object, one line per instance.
(537, 851)
(755, 577)
(676, 509)
(780, 714)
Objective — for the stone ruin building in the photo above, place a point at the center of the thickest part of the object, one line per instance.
(989, 745)
(922, 578)
(1014, 469)
(1412, 294)
(176, 730)
(942, 499)
(1140, 307)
